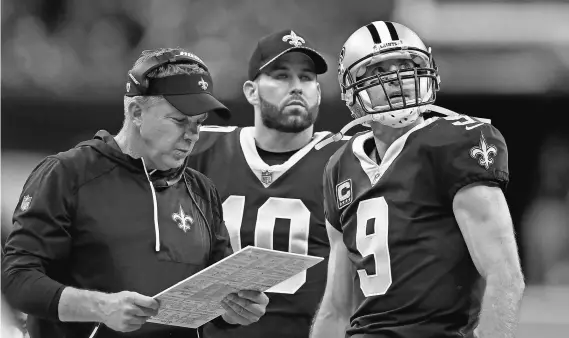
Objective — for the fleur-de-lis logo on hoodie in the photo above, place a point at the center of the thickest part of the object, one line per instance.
(184, 221)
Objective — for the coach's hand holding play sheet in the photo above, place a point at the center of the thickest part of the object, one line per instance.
(233, 283)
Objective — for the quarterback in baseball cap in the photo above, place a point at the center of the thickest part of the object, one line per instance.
(283, 173)
(272, 46)
(282, 85)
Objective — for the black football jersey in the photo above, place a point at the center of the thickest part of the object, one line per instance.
(415, 277)
(276, 207)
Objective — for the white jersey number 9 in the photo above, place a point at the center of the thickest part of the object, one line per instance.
(373, 213)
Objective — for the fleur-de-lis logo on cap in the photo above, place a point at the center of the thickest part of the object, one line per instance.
(203, 84)
(293, 39)
(484, 151)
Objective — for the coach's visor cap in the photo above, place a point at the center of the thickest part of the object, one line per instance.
(191, 94)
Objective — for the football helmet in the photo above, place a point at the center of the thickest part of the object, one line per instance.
(395, 98)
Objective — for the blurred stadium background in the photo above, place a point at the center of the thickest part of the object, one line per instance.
(64, 64)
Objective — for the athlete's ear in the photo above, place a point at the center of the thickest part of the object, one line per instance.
(251, 91)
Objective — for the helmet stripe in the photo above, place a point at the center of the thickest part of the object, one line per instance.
(374, 33)
(392, 31)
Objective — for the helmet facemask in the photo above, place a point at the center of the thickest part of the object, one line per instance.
(363, 94)
(367, 92)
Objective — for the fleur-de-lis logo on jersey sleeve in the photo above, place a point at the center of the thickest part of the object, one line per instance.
(484, 152)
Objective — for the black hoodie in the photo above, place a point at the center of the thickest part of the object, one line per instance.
(94, 218)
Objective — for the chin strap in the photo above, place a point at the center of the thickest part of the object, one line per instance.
(369, 117)
(338, 136)
(441, 110)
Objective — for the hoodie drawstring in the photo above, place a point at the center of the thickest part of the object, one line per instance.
(154, 207)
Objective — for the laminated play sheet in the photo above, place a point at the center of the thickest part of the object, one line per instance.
(196, 300)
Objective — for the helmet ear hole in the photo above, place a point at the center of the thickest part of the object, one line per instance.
(356, 109)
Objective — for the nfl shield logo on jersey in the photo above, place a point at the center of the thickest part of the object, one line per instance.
(26, 201)
(344, 193)
(266, 177)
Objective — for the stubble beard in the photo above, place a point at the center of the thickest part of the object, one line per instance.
(293, 121)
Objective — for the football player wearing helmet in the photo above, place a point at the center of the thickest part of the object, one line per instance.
(269, 177)
(422, 243)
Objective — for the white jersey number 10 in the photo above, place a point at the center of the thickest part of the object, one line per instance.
(287, 208)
